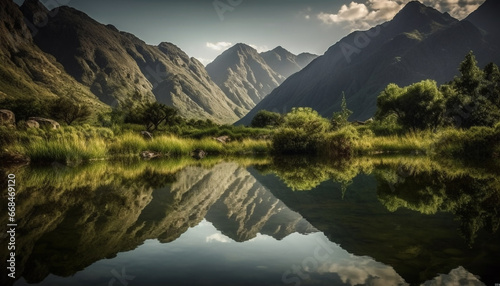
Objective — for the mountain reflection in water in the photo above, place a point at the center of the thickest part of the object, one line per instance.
(281, 221)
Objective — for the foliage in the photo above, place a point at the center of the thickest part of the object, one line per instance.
(477, 142)
(472, 99)
(388, 125)
(265, 118)
(340, 143)
(152, 115)
(69, 111)
(340, 119)
(25, 108)
(306, 119)
(301, 133)
(417, 107)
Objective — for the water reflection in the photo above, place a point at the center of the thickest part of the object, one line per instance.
(420, 216)
(240, 222)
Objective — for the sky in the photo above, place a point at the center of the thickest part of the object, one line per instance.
(205, 28)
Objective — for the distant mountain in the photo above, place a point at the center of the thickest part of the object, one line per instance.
(123, 70)
(286, 63)
(244, 76)
(419, 43)
(28, 72)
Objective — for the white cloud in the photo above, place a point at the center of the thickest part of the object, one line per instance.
(219, 46)
(363, 271)
(458, 276)
(353, 12)
(260, 49)
(217, 237)
(457, 8)
(373, 12)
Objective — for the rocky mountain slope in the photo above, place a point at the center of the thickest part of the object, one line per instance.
(419, 43)
(28, 72)
(120, 69)
(244, 76)
(286, 63)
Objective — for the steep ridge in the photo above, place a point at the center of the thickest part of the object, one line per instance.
(123, 70)
(28, 72)
(286, 63)
(419, 43)
(244, 76)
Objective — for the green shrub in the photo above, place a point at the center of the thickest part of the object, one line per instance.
(7, 136)
(477, 142)
(340, 143)
(294, 141)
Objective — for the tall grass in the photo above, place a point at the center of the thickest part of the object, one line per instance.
(420, 142)
(63, 150)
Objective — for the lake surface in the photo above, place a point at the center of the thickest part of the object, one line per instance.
(266, 221)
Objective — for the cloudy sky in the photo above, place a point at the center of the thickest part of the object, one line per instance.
(204, 28)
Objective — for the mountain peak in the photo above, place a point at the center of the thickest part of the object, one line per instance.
(416, 8)
(280, 49)
(416, 15)
(243, 47)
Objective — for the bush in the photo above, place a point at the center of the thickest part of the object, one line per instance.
(477, 142)
(265, 118)
(294, 141)
(340, 143)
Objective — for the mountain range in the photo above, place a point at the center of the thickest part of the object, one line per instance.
(418, 43)
(65, 53)
(246, 76)
(102, 66)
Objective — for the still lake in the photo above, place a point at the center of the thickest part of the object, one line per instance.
(256, 221)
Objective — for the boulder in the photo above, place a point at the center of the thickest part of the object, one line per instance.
(44, 122)
(32, 124)
(7, 118)
(198, 154)
(146, 135)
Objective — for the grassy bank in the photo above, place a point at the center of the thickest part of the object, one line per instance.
(84, 143)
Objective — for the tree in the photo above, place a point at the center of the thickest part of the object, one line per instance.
(387, 101)
(471, 75)
(476, 97)
(265, 118)
(152, 115)
(418, 106)
(69, 111)
(340, 119)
